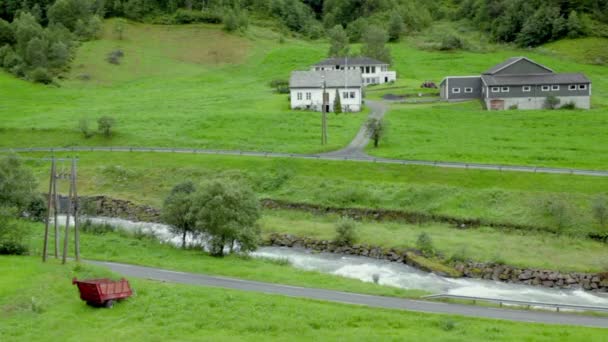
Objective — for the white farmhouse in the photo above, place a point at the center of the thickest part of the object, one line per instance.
(372, 70)
(306, 89)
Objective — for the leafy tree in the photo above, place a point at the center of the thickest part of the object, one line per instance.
(356, 29)
(374, 44)
(105, 125)
(227, 212)
(236, 20)
(538, 28)
(395, 27)
(25, 27)
(337, 103)
(36, 52)
(375, 130)
(7, 36)
(338, 40)
(575, 26)
(68, 12)
(119, 28)
(346, 231)
(59, 55)
(178, 211)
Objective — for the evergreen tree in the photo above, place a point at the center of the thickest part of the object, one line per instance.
(337, 103)
(338, 40)
(374, 44)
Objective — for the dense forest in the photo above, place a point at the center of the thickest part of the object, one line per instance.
(37, 37)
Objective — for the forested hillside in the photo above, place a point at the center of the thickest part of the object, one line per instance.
(37, 37)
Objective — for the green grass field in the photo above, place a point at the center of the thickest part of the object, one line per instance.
(499, 197)
(38, 303)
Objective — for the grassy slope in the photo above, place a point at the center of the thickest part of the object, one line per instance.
(161, 312)
(526, 249)
(465, 132)
(505, 197)
(193, 86)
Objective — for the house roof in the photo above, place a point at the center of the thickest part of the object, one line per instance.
(510, 62)
(333, 79)
(534, 79)
(350, 61)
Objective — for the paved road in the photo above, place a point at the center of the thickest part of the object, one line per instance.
(357, 145)
(352, 298)
(365, 159)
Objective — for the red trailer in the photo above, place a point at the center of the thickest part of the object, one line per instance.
(103, 292)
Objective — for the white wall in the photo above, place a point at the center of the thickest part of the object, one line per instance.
(582, 102)
(378, 77)
(316, 99)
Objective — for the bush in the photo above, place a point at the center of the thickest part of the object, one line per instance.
(600, 210)
(569, 105)
(41, 75)
(83, 127)
(115, 56)
(346, 231)
(236, 21)
(425, 244)
(451, 42)
(105, 124)
(558, 210)
(13, 237)
(551, 102)
(36, 210)
(461, 255)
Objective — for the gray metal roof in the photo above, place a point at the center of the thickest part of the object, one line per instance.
(511, 61)
(333, 79)
(351, 61)
(533, 79)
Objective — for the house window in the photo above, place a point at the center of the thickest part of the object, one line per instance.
(495, 89)
(456, 90)
(345, 95)
(299, 96)
(353, 95)
(308, 96)
(554, 87)
(572, 87)
(582, 87)
(526, 89)
(545, 88)
(468, 90)
(373, 70)
(504, 89)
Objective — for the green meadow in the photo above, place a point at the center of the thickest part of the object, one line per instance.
(38, 301)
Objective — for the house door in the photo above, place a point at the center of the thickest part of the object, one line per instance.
(497, 104)
(326, 108)
(385, 79)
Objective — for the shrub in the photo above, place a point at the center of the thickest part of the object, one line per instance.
(551, 102)
(513, 107)
(83, 127)
(559, 211)
(600, 210)
(461, 255)
(183, 16)
(105, 125)
(569, 105)
(41, 75)
(236, 21)
(13, 236)
(451, 42)
(425, 244)
(36, 210)
(346, 231)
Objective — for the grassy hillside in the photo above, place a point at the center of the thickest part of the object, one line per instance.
(192, 86)
(466, 132)
(197, 86)
(38, 303)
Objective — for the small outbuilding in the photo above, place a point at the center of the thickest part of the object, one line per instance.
(306, 89)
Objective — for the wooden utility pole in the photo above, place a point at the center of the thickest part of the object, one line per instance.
(48, 211)
(55, 219)
(75, 202)
(67, 224)
(324, 115)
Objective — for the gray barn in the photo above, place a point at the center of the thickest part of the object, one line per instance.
(519, 83)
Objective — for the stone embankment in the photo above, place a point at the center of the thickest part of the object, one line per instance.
(503, 273)
(110, 207)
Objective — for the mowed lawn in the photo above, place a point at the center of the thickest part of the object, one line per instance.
(39, 303)
(467, 133)
(178, 86)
